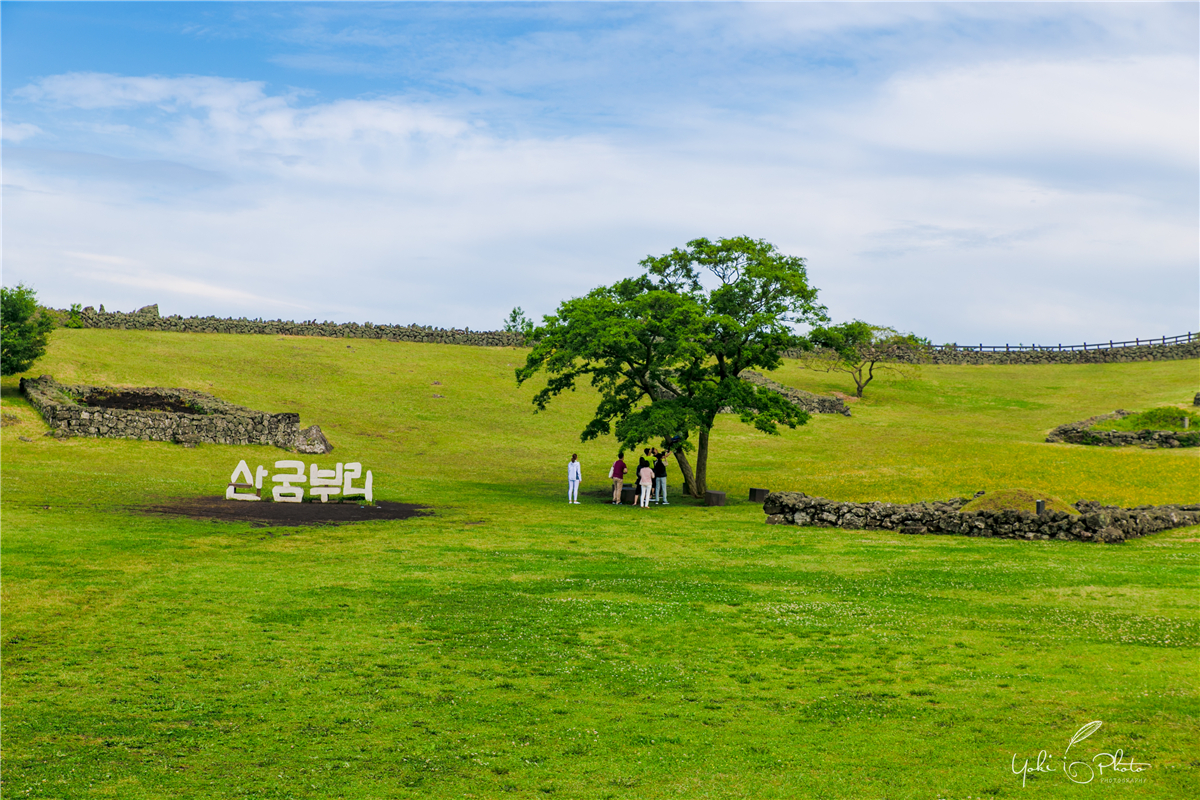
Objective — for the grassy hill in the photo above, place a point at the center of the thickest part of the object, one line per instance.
(511, 645)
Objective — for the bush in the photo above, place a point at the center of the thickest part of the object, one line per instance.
(74, 316)
(24, 329)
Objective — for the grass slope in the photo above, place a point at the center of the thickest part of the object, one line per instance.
(514, 646)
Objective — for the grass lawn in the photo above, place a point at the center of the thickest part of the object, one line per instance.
(510, 645)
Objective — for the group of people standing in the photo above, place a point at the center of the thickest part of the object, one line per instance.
(649, 478)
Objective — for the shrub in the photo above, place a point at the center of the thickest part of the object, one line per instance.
(74, 318)
(24, 329)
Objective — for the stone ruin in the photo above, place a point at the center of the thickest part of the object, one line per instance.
(1093, 523)
(182, 416)
(1081, 433)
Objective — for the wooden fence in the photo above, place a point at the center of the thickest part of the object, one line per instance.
(1183, 338)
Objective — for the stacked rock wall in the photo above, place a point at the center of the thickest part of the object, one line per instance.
(215, 421)
(148, 319)
(1081, 433)
(1094, 523)
(812, 403)
(1107, 355)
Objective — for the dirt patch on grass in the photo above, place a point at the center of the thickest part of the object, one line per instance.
(138, 401)
(285, 514)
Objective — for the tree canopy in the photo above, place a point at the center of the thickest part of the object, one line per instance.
(24, 329)
(665, 352)
(859, 349)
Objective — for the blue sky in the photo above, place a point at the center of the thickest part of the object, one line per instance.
(970, 172)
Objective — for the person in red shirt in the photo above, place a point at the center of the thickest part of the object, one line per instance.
(617, 473)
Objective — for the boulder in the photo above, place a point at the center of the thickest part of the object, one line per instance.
(312, 441)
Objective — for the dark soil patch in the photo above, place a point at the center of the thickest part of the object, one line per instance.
(138, 401)
(285, 514)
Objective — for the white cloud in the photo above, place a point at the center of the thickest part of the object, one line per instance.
(1137, 108)
(124, 271)
(93, 90)
(18, 132)
(235, 123)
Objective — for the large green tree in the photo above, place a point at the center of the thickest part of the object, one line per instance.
(665, 350)
(24, 329)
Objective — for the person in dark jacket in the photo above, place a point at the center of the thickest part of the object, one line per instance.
(660, 477)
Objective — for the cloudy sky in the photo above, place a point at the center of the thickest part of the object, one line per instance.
(1004, 172)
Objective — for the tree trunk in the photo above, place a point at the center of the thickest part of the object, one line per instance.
(701, 484)
(689, 480)
(859, 383)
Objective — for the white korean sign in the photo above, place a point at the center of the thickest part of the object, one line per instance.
(292, 478)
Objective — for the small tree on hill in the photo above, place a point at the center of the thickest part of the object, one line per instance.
(74, 316)
(517, 322)
(859, 350)
(666, 354)
(24, 329)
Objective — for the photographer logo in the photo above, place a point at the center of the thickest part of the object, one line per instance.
(1113, 767)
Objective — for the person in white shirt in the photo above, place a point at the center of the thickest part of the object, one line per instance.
(574, 476)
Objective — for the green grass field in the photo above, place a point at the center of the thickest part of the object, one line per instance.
(510, 645)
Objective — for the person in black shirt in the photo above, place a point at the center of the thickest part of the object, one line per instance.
(660, 477)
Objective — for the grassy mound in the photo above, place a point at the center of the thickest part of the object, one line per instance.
(1017, 500)
(1164, 418)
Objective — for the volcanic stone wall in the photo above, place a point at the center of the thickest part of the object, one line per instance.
(1081, 433)
(812, 403)
(148, 319)
(1094, 523)
(1108, 355)
(214, 421)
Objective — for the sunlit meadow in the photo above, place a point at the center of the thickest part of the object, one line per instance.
(510, 645)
